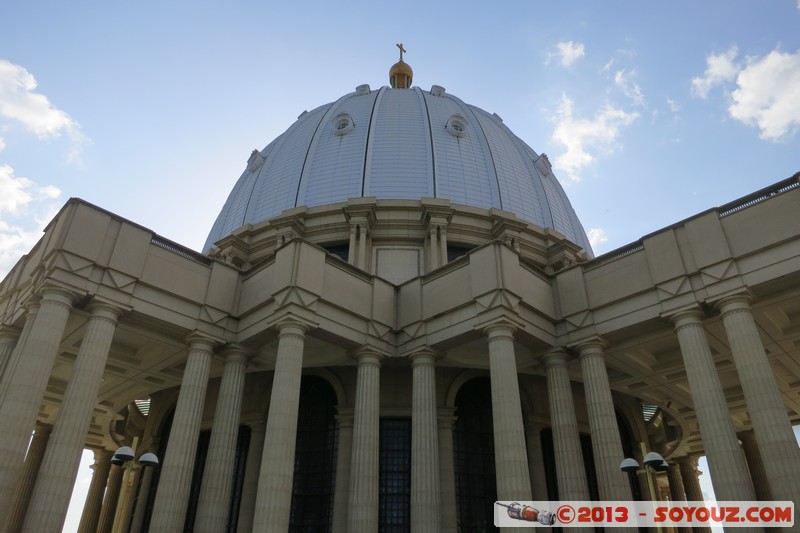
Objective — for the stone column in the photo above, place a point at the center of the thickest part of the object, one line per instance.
(612, 483)
(32, 309)
(344, 419)
(362, 248)
(690, 476)
(362, 516)
(247, 507)
(94, 499)
(755, 465)
(351, 252)
(725, 458)
(773, 432)
(447, 478)
(146, 473)
(53, 489)
(26, 387)
(533, 439)
(511, 460)
(172, 497)
(442, 245)
(110, 500)
(215, 492)
(24, 489)
(274, 499)
(425, 506)
(571, 475)
(433, 249)
(8, 339)
(676, 486)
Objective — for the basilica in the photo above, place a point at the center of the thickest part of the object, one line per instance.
(396, 320)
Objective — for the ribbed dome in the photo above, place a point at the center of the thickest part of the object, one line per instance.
(398, 144)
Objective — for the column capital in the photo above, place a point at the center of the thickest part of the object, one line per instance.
(292, 325)
(369, 355)
(686, 317)
(199, 341)
(733, 303)
(499, 329)
(9, 333)
(108, 311)
(592, 345)
(54, 293)
(236, 353)
(424, 356)
(556, 358)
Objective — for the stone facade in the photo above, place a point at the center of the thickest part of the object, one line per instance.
(394, 306)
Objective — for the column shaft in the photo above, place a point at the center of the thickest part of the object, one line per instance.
(362, 248)
(94, 499)
(53, 489)
(447, 472)
(725, 458)
(755, 465)
(442, 245)
(425, 506)
(533, 439)
(351, 252)
(110, 500)
(32, 308)
(26, 388)
(172, 497)
(773, 432)
(676, 486)
(691, 484)
(215, 493)
(274, 499)
(344, 454)
(362, 514)
(510, 455)
(8, 339)
(24, 489)
(613, 484)
(570, 473)
(247, 507)
(141, 501)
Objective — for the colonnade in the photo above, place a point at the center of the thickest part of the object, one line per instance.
(34, 491)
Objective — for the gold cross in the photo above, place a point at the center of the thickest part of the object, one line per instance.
(400, 46)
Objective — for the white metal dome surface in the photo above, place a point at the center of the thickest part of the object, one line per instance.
(398, 144)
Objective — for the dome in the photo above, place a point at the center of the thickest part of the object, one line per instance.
(399, 144)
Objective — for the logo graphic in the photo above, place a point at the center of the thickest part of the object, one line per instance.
(527, 513)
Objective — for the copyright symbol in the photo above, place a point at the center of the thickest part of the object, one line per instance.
(565, 514)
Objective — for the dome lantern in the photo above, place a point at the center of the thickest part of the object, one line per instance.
(401, 75)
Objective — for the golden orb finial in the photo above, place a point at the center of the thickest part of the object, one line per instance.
(401, 75)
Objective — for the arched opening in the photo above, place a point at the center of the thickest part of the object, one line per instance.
(473, 456)
(315, 458)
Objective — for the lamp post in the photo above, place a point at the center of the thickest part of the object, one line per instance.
(123, 458)
(653, 462)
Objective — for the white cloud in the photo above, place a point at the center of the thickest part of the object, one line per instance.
(20, 102)
(674, 106)
(567, 52)
(720, 68)
(30, 206)
(625, 81)
(2, 144)
(597, 236)
(583, 137)
(767, 95)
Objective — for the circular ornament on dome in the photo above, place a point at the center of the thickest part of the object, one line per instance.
(457, 126)
(343, 124)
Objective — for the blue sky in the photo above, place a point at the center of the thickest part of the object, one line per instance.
(650, 111)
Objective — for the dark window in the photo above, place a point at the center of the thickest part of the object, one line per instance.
(242, 445)
(395, 476)
(454, 252)
(342, 251)
(473, 455)
(548, 453)
(315, 458)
